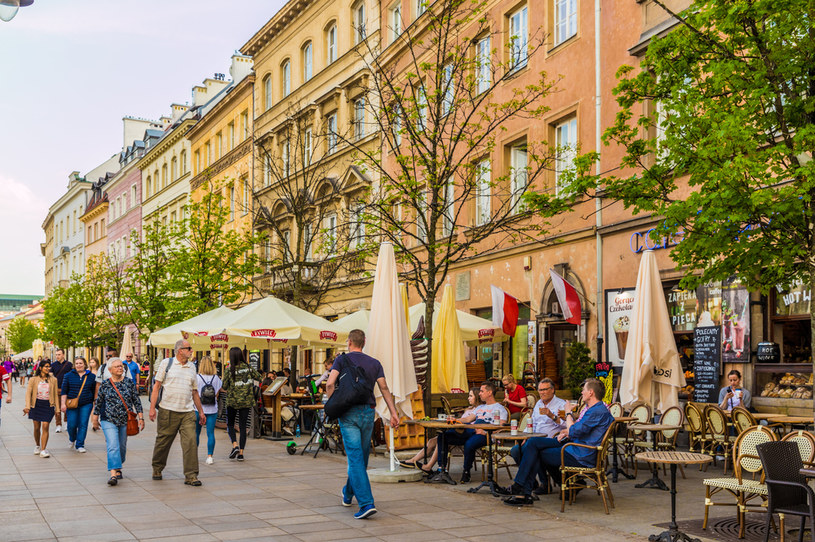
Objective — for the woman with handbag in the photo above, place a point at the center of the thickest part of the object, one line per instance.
(41, 398)
(78, 387)
(239, 384)
(119, 413)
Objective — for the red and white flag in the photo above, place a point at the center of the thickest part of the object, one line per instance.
(504, 311)
(567, 297)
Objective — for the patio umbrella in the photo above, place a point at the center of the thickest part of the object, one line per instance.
(127, 345)
(27, 354)
(388, 340)
(355, 320)
(651, 372)
(474, 329)
(37, 349)
(166, 338)
(447, 361)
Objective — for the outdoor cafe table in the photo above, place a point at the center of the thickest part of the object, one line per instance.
(317, 429)
(615, 470)
(490, 481)
(654, 428)
(673, 534)
(438, 425)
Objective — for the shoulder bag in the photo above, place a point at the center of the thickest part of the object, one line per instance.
(352, 388)
(132, 420)
(74, 403)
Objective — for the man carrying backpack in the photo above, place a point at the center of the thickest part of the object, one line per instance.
(357, 422)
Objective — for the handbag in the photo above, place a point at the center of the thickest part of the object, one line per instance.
(132, 420)
(74, 403)
(352, 389)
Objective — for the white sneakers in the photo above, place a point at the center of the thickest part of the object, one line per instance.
(81, 450)
(59, 429)
(45, 453)
(210, 461)
(36, 450)
(70, 445)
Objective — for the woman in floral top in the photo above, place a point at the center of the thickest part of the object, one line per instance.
(110, 412)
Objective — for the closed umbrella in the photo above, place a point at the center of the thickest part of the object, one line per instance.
(651, 372)
(127, 345)
(167, 337)
(388, 340)
(448, 365)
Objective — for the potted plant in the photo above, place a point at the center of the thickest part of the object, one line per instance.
(579, 367)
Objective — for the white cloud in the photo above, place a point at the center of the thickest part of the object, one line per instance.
(22, 212)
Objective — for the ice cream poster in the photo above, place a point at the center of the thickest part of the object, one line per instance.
(619, 306)
(735, 322)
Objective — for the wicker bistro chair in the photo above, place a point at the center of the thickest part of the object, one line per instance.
(787, 489)
(748, 483)
(742, 419)
(575, 478)
(666, 439)
(616, 409)
(697, 429)
(719, 432)
(806, 444)
(634, 440)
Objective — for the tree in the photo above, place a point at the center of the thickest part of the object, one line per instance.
(62, 319)
(21, 333)
(718, 133)
(439, 108)
(314, 236)
(106, 307)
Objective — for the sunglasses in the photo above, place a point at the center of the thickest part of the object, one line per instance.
(186, 348)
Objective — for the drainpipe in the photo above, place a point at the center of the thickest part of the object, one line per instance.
(598, 203)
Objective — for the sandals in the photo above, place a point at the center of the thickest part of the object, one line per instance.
(118, 474)
(113, 481)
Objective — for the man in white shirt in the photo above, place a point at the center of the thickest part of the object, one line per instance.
(491, 412)
(547, 421)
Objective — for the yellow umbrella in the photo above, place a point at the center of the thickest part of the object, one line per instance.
(448, 366)
(403, 291)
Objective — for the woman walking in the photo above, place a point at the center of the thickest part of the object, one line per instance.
(40, 401)
(239, 383)
(209, 386)
(117, 395)
(93, 366)
(78, 384)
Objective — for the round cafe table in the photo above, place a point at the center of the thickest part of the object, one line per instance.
(654, 428)
(438, 425)
(615, 470)
(490, 481)
(673, 534)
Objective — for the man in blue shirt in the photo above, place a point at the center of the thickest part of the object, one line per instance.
(133, 368)
(543, 452)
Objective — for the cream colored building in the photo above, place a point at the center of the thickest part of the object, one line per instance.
(47, 250)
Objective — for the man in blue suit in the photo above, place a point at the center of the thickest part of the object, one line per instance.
(588, 428)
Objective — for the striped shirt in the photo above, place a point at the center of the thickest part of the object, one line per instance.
(177, 385)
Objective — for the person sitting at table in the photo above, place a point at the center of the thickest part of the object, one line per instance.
(491, 412)
(734, 395)
(545, 419)
(545, 452)
(432, 444)
(514, 397)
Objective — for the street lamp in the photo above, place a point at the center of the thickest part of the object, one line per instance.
(9, 8)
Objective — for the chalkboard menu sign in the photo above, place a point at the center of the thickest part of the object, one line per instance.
(707, 356)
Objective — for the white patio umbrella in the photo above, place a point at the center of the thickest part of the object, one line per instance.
(355, 320)
(651, 372)
(388, 340)
(127, 345)
(166, 338)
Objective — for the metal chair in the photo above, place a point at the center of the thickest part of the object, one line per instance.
(787, 489)
(576, 478)
(719, 432)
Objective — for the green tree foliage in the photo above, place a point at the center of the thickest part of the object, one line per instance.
(579, 367)
(21, 333)
(62, 316)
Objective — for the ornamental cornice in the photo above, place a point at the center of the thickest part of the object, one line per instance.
(227, 160)
(165, 143)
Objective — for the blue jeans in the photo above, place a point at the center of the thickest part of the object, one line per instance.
(210, 432)
(517, 452)
(357, 426)
(539, 454)
(77, 420)
(471, 441)
(116, 440)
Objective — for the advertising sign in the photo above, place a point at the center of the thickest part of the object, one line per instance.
(619, 305)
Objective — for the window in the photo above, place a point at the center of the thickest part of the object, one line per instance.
(332, 133)
(267, 170)
(307, 145)
(518, 174)
(245, 125)
(231, 135)
(396, 21)
(397, 125)
(357, 232)
(307, 57)
(449, 209)
(421, 106)
(164, 176)
(421, 219)
(174, 168)
(449, 89)
(183, 162)
(307, 242)
(284, 155)
(565, 20)
(197, 158)
(231, 203)
(90, 235)
(134, 195)
(421, 6)
(207, 153)
(245, 196)
(331, 44)
(173, 216)
(102, 227)
(286, 242)
(483, 194)
(566, 141)
(267, 254)
(286, 78)
(359, 23)
(148, 186)
(359, 118)
(267, 93)
(219, 145)
(96, 231)
(483, 55)
(518, 38)
(331, 234)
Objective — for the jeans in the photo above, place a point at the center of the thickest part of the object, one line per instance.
(541, 453)
(517, 452)
(471, 441)
(116, 440)
(243, 424)
(77, 420)
(357, 426)
(210, 433)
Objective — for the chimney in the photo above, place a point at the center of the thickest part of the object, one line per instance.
(240, 68)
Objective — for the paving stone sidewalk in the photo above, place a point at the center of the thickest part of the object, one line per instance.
(274, 496)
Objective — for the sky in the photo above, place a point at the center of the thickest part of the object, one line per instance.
(69, 71)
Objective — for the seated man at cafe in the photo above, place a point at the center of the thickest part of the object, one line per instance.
(546, 419)
(545, 452)
(491, 412)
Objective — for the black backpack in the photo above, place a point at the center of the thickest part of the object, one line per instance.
(352, 388)
(208, 392)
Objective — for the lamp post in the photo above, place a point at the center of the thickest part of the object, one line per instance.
(9, 8)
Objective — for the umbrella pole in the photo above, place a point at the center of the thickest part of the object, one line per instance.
(391, 448)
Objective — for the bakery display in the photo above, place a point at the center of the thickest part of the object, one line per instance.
(789, 386)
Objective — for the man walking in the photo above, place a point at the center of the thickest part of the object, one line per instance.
(59, 369)
(178, 378)
(357, 424)
(5, 380)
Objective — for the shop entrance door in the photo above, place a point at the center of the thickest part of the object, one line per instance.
(563, 335)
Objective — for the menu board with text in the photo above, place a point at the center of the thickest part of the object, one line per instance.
(706, 363)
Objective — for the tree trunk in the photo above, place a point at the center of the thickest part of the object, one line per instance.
(429, 308)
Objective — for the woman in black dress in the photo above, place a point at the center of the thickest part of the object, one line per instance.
(41, 399)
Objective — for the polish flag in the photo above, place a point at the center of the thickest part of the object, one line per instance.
(504, 311)
(567, 297)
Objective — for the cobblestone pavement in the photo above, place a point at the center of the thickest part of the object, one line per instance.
(274, 496)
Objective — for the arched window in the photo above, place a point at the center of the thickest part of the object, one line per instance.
(331, 44)
(307, 62)
(360, 22)
(267, 92)
(174, 169)
(183, 162)
(286, 76)
(148, 189)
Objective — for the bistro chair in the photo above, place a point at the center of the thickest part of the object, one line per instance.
(806, 444)
(697, 430)
(742, 419)
(573, 479)
(633, 435)
(748, 483)
(719, 432)
(666, 439)
(616, 409)
(787, 489)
